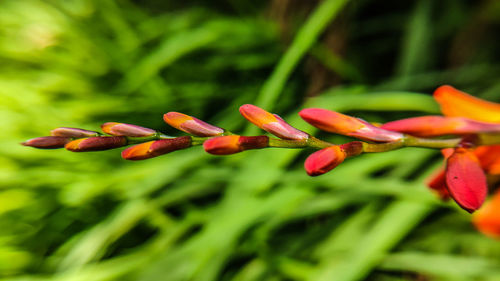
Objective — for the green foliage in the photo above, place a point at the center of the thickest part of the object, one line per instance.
(256, 215)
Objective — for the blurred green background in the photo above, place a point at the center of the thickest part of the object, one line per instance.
(251, 216)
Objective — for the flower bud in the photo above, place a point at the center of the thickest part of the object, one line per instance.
(123, 129)
(338, 123)
(191, 125)
(455, 103)
(155, 148)
(47, 142)
(271, 123)
(431, 126)
(487, 219)
(324, 160)
(233, 144)
(72, 132)
(96, 144)
(466, 180)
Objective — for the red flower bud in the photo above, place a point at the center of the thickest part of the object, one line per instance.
(233, 144)
(457, 103)
(47, 142)
(324, 160)
(271, 123)
(191, 125)
(155, 148)
(72, 132)
(96, 144)
(487, 219)
(338, 123)
(123, 129)
(466, 180)
(431, 126)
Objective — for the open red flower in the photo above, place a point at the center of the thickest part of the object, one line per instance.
(469, 189)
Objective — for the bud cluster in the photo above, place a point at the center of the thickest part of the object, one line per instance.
(468, 134)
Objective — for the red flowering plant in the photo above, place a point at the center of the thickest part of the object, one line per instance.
(468, 135)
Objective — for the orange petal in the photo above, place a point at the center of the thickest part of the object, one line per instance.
(457, 103)
(489, 157)
(487, 219)
(324, 160)
(466, 180)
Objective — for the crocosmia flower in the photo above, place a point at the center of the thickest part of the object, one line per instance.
(191, 125)
(271, 123)
(334, 122)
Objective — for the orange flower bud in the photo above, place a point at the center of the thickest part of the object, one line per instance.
(324, 160)
(487, 219)
(47, 142)
(72, 132)
(431, 126)
(96, 144)
(466, 180)
(338, 123)
(233, 144)
(191, 125)
(155, 148)
(123, 129)
(457, 103)
(271, 123)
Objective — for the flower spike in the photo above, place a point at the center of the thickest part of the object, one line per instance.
(271, 123)
(47, 142)
(191, 125)
(123, 129)
(334, 122)
(155, 148)
(233, 144)
(72, 132)
(455, 103)
(466, 180)
(96, 144)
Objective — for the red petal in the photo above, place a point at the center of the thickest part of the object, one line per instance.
(466, 180)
